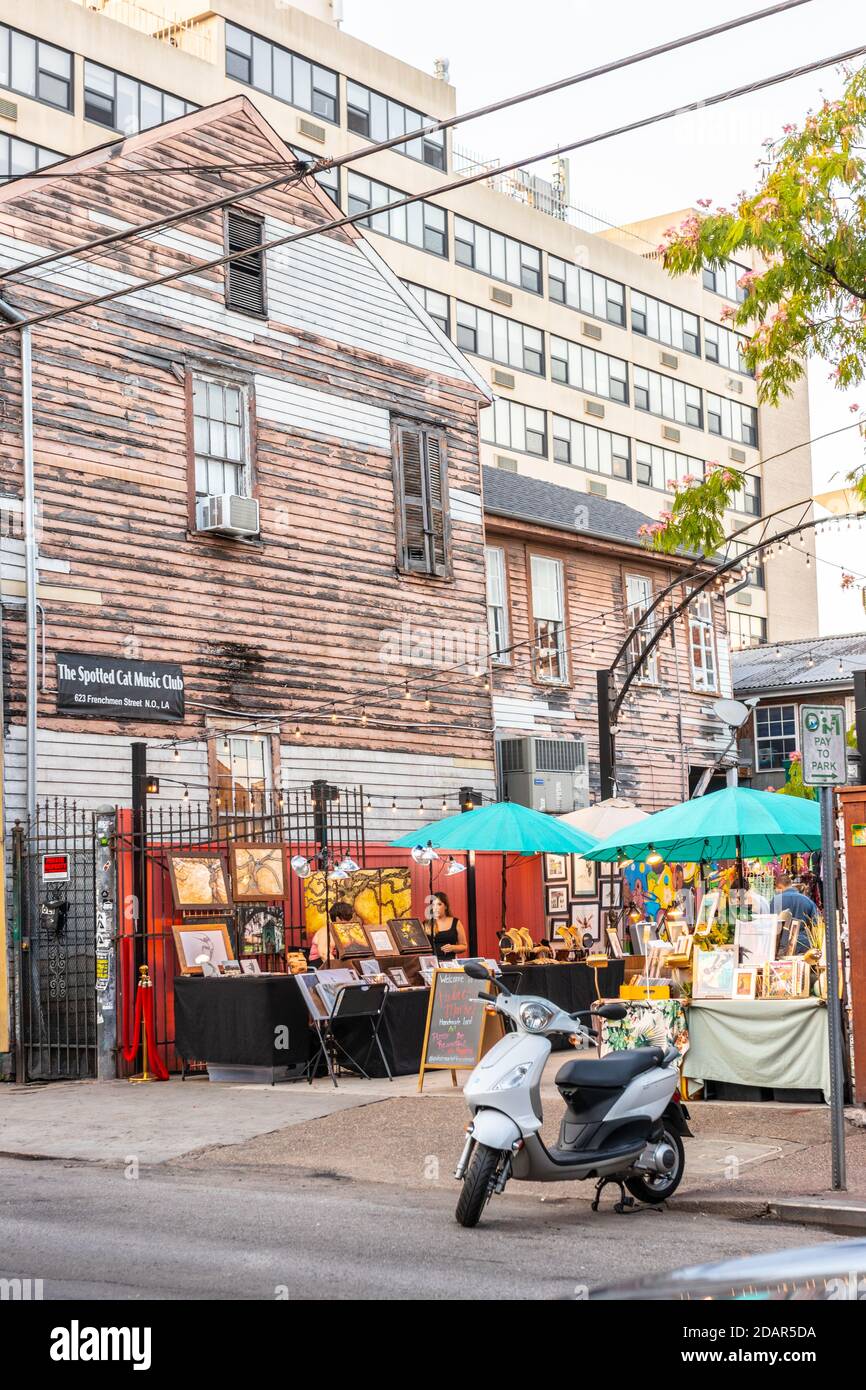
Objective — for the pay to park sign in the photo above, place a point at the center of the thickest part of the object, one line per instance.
(822, 740)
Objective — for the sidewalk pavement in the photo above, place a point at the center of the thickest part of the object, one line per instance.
(746, 1160)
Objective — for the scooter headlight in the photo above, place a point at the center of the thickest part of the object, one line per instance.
(513, 1078)
(534, 1016)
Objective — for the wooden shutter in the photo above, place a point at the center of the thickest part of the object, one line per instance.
(245, 277)
(421, 494)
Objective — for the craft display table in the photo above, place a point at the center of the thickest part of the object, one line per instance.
(778, 1044)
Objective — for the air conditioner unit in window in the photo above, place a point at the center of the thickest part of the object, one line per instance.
(228, 515)
(548, 774)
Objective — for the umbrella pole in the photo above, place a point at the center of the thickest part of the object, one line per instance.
(504, 893)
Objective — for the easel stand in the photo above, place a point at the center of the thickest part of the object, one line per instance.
(492, 1029)
(352, 1002)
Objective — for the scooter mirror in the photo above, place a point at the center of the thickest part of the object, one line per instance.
(614, 1013)
(476, 971)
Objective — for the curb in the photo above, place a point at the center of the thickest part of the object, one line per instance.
(835, 1215)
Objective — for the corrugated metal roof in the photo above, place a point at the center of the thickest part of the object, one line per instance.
(808, 662)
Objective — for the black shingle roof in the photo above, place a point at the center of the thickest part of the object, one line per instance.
(547, 504)
(785, 665)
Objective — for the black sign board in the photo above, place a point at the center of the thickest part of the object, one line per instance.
(110, 687)
(454, 1022)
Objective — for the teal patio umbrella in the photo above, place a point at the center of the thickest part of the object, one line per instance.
(729, 824)
(502, 828)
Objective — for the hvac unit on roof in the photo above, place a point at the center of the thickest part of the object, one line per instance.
(227, 515)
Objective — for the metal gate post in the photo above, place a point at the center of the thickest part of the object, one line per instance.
(105, 907)
(19, 947)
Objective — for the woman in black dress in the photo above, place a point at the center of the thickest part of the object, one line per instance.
(449, 936)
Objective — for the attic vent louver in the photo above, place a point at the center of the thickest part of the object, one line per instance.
(245, 277)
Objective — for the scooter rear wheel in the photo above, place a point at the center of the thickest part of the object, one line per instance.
(656, 1188)
(477, 1184)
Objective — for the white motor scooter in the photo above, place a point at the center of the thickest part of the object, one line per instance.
(623, 1122)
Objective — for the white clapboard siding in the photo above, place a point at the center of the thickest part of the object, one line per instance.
(336, 292)
(317, 412)
(409, 777)
(465, 506)
(726, 685)
(536, 715)
(96, 770)
(343, 293)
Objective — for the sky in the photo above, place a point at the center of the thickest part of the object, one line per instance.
(500, 47)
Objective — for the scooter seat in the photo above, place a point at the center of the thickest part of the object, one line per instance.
(616, 1069)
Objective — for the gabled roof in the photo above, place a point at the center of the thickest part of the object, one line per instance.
(546, 504)
(124, 148)
(782, 666)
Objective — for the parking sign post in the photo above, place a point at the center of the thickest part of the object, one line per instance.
(822, 740)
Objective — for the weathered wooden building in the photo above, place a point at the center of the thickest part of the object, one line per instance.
(568, 578)
(265, 475)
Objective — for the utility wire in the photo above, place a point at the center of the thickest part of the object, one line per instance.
(428, 128)
(352, 218)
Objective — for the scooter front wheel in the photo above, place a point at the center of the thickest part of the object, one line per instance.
(478, 1184)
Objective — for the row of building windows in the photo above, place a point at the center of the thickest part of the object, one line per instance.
(511, 425)
(19, 157)
(35, 69)
(421, 224)
(379, 118)
(282, 74)
(549, 618)
(121, 103)
(499, 339)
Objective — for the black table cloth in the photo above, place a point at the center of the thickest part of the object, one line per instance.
(571, 986)
(401, 1034)
(236, 1022)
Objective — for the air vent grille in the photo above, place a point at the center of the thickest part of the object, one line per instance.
(311, 130)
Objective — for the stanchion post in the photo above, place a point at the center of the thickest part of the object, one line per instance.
(834, 1003)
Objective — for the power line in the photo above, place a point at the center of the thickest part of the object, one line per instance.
(431, 126)
(352, 218)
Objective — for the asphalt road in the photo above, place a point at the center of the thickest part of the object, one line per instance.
(89, 1232)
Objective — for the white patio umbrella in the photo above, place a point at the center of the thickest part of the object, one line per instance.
(605, 817)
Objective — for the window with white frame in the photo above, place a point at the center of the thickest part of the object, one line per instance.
(243, 768)
(723, 279)
(748, 499)
(661, 468)
(221, 438)
(500, 339)
(571, 364)
(754, 566)
(510, 425)
(497, 605)
(732, 420)
(491, 253)
(548, 620)
(420, 224)
(725, 347)
(775, 736)
(379, 118)
(585, 446)
(668, 398)
(703, 658)
(665, 323)
(436, 304)
(638, 597)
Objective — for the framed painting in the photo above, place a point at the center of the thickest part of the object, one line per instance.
(556, 868)
(350, 938)
(745, 982)
(609, 893)
(409, 935)
(258, 872)
(713, 973)
(584, 876)
(585, 921)
(380, 941)
(614, 943)
(557, 899)
(756, 940)
(261, 928)
(198, 880)
(196, 942)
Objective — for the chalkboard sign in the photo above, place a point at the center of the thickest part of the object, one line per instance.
(459, 1031)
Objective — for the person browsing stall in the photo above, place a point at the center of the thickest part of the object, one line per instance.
(788, 898)
(449, 935)
(339, 912)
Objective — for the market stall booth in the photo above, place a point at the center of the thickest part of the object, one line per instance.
(750, 981)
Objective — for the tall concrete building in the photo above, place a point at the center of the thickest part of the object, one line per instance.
(611, 377)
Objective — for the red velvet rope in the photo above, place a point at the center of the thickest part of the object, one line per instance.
(144, 1011)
